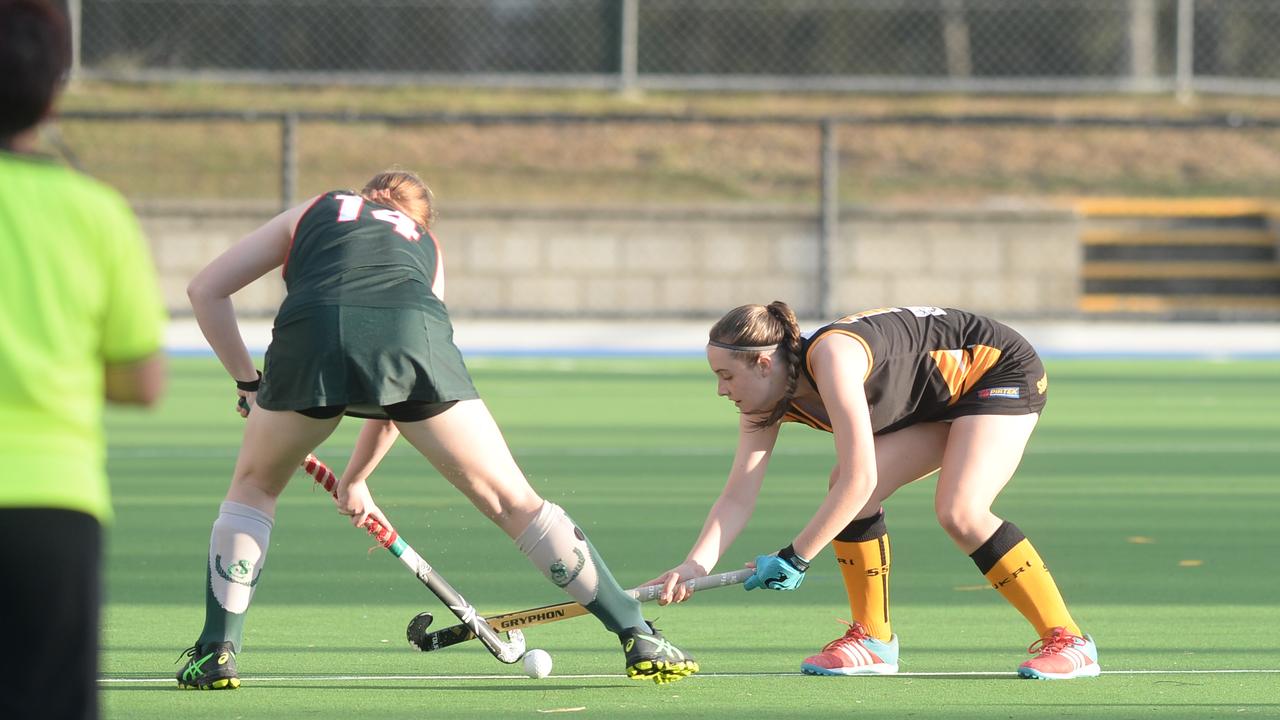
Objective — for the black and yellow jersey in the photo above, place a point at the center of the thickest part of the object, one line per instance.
(350, 252)
(929, 364)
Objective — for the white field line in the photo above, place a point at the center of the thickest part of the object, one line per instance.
(699, 676)
(133, 453)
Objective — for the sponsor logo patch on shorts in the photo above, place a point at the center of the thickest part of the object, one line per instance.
(1010, 393)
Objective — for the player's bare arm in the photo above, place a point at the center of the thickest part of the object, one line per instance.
(839, 365)
(211, 289)
(375, 440)
(730, 512)
(139, 382)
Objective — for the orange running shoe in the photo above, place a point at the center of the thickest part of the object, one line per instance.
(1061, 656)
(855, 653)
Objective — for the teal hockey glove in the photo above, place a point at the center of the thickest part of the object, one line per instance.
(783, 571)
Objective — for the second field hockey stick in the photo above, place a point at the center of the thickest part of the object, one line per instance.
(426, 642)
(508, 651)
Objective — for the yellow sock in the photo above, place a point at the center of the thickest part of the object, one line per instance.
(862, 549)
(1015, 569)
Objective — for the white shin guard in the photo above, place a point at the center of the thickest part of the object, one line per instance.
(559, 549)
(237, 552)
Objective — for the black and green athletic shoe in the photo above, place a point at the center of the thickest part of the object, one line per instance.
(651, 657)
(211, 667)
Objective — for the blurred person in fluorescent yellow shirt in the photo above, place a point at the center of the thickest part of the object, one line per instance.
(81, 322)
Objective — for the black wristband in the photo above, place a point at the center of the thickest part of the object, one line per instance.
(250, 385)
(788, 553)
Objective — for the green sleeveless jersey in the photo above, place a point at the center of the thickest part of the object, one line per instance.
(350, 252)
(361, 326)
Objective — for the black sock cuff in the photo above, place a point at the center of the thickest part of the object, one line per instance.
(864, 530)
(997, 546)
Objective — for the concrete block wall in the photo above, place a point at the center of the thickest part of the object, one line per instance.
(1023, 262)
(637, 262)
(623, 262)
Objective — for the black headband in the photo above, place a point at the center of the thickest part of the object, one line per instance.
(743, 348)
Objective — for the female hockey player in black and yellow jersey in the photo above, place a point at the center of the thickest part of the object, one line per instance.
(906, 392)
(364, 331)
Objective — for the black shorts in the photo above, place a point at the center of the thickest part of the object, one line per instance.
(408, 411)
(50, 604)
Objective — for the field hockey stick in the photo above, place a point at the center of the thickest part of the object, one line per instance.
(509, 622)
(508, 651)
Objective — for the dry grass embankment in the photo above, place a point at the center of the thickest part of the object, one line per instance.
(658, 163)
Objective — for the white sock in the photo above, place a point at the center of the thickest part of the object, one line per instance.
(237, 553)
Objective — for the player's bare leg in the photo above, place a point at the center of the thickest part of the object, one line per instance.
(982, 454)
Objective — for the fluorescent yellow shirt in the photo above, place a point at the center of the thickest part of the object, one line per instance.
(77, 291)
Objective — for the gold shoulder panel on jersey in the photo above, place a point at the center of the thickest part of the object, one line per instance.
(871, 359)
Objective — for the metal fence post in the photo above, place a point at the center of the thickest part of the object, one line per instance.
(629, 46)
(828, 214)
(955, 41)
(1186, 49)
(74, 16)
(288, 159)
(1143, 42)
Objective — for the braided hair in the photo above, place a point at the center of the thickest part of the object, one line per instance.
(750, 330)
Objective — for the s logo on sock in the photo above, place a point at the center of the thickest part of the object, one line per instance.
(239, 572)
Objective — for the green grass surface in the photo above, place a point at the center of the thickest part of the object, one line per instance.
(1150, 488)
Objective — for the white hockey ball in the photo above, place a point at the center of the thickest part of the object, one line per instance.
(537, 664)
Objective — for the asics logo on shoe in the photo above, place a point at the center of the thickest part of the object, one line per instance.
(222, 659)
(196, 668)
(631, 642)
(662, 646)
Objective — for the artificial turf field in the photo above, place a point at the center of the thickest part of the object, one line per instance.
(1150, 488)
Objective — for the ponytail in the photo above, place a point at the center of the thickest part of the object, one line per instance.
(789, 347)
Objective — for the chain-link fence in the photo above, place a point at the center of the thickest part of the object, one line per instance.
(883, 45)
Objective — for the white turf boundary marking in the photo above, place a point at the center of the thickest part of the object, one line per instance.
(136, 453)
(706, 676)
